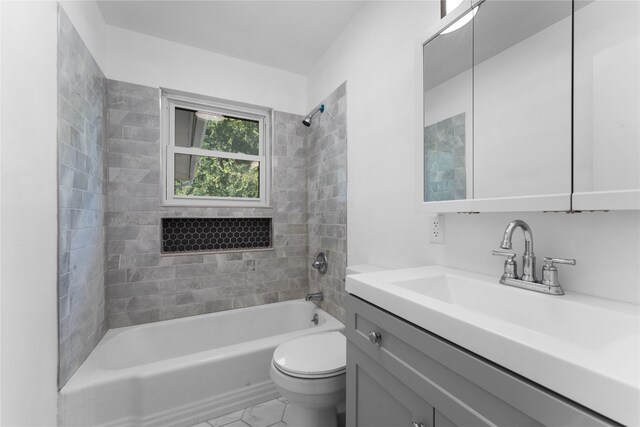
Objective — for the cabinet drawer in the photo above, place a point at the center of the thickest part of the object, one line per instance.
(463, 387)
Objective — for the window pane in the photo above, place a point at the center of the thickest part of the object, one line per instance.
(215, 177)
(213, 131)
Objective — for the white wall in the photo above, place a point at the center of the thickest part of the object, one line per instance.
(138, 58)
(88, 21)
(376, 55)
(28, 214)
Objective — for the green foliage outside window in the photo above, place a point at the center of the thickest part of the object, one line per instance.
(220, 177)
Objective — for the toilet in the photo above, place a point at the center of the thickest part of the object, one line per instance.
(310, 372)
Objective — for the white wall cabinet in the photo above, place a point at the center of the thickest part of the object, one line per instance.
(510, 123)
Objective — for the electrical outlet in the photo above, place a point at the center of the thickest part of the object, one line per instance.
(436, 229)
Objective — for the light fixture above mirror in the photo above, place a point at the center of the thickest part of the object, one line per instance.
(446, 6)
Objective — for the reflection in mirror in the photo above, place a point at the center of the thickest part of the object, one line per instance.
(210, 130)
(522, 98)
(607, 95)
(447, 84)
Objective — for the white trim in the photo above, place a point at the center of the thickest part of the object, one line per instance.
(213, 153)
(533, 203)
(607, 200)
(169, 101)
(194, 412)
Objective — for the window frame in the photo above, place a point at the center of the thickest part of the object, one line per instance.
(169, 101)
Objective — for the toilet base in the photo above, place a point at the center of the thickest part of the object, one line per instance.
(299, 416)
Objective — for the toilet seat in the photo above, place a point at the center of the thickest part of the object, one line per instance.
(320, 355)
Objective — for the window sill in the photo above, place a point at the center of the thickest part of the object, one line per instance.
(215, 205)
(214, 252)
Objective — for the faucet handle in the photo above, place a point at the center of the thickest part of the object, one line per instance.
(510, 265)
(509, 255)
(550, 271)
(548, 262)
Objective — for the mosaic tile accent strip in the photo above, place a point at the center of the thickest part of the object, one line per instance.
(215, 234)
(444, 151)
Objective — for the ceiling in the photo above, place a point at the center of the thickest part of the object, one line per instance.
(289, 35)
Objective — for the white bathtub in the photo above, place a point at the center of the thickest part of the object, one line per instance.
(180, 372)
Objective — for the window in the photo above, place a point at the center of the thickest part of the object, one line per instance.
(214, 153)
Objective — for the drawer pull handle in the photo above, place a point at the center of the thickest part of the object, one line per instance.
(374, 337)
(415, 424)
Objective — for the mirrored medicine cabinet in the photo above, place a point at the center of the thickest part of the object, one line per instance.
(531, 106)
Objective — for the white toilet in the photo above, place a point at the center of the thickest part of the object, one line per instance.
(311, 373)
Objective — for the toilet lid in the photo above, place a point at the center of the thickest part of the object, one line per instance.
(312, 356)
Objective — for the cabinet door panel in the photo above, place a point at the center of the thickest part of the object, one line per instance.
(607, 105)
(522, 99)
(377, 399)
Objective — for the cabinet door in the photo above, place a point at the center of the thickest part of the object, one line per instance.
(375, 398)
(522, 105)
(497, 108)
(607, 105)
(448, 118)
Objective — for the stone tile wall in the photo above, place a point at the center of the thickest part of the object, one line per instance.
(444, 159)
(81, 200)
(327, 193)
(145, 286)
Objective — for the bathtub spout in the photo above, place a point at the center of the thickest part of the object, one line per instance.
(316, 296)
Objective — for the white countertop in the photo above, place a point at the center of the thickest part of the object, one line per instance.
(584, 348)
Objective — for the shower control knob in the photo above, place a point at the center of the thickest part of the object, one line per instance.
(375, 337)
(415, 424)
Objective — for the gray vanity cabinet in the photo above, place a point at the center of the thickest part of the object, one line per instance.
(383, 398)
(412, 378)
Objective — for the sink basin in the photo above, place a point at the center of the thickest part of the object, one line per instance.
(585, 325)
(582, 347)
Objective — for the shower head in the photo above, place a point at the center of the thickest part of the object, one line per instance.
(307, 120)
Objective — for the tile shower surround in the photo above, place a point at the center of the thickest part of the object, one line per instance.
(144, 286)
(81, 200)
(327, 192)
(111, 273)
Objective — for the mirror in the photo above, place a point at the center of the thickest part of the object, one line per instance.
(607, 97)
(448, 136)
(522, 98)
(497, 105)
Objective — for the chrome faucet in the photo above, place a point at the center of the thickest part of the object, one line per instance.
(528, 258)
(315, 296)
(549, 283)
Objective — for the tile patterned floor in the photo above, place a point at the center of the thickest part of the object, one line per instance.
(268, 414)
